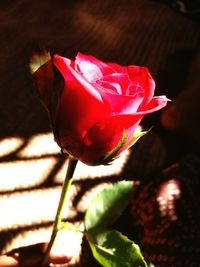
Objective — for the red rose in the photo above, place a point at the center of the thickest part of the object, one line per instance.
(101, 106)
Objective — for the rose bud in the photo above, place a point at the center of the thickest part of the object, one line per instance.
(99, 106)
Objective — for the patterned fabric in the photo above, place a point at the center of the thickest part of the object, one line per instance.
(166, 216)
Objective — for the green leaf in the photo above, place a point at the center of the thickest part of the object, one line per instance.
(111, 154)
(48, 85)
(108, 205)
(41, 68)
(112, 249)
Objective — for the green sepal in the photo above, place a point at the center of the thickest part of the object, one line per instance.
(110, 156)
(49, 84)
(38, 59)
(112, 249)
(41, 68)
(136, 137)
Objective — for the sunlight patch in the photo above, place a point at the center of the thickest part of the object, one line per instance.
(40, 144)
(10, 145)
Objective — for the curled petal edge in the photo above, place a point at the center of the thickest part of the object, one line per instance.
(64, 66)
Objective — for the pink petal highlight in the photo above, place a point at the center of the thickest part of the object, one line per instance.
(156, 103)
(100, 68)
(70, 75)
(120, 81)
(122, 103)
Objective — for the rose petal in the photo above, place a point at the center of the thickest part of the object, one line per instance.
(117, 101)
(92, 68)
(71, 76)
(120, 81)
(145, 80)
(156, 103)
(122, 104)
(117, 68)
(79, 108)
(105, 135)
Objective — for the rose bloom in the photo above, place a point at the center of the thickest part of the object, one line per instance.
(100, 107)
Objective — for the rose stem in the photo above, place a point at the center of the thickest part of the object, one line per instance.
(63, 198)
